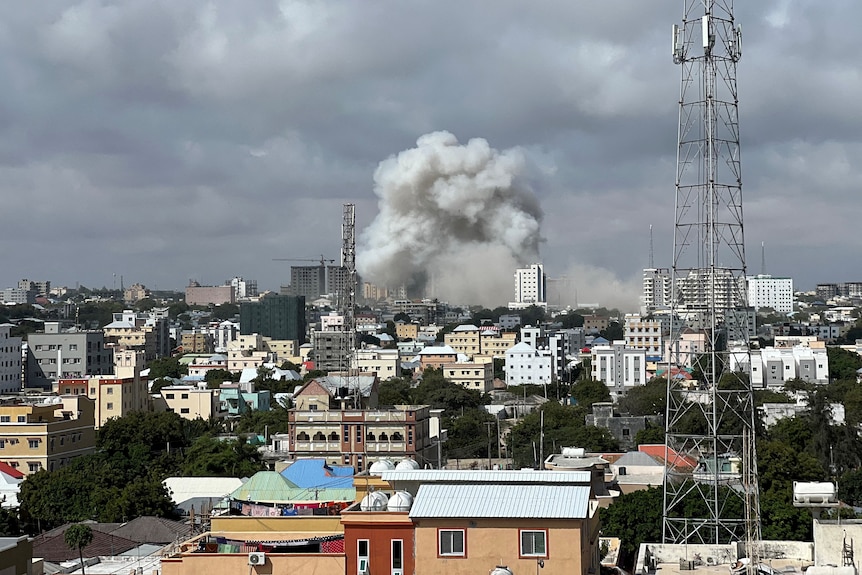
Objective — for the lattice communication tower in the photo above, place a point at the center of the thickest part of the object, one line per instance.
(348, 264)
(710, 418)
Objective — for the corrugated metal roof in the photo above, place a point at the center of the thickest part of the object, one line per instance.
(530, 476)
(501, 501)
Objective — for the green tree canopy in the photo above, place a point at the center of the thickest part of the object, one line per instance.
(77, 537)
(167, 367)
(210, 456)
(589, 391)
(649, 399)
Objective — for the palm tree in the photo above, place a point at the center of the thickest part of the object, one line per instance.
(77, 537)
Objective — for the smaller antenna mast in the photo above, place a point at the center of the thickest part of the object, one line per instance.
(651, 258)
(763, 258)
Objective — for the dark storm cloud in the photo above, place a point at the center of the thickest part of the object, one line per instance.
(166, 140)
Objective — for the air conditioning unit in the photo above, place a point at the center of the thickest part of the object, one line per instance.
(256, 558)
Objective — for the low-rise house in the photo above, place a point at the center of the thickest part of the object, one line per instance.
(190, 402)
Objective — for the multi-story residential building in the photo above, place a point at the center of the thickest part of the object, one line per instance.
(337, 418)
(240, 359)
(10, 360)
(595, 324)
(699, 289)
(34, 436)
(552, 344)
(464, 339)
(18, 295)
(148, 332)
(39, 287)
(772, 367)
(135, 293)
(404, 330)
(199, 366)
(383, 362)
(530, 287)
(194, 341)
(436, 356)
(283, 349)
(308, 282)
(768, 291)
(640, 333)
(425, 311)
(196, 294)
(509, 321)
(57, 354)
(525, 365)
(243, 288)
(656, 289)
(112, 396)
(684, 352)
(618, 367)
(331, 350)
(477, 375)
(275, 316)
(333, 321)
(190, 402)
(826, 291)
(495, 344)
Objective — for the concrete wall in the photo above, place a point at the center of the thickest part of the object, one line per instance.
(829, 537)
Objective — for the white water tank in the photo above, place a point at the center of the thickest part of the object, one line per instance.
(374, 501)
(407, 464)
(378, 467)
(400, 501)
(501, 570)
(814, 493)
(574, 452)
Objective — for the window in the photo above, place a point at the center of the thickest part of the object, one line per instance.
(34, 443)
(184, 410)
(110, 406)
(5, 419)
(451, 542)
(169, 396)
(2, 444)
(397, 557)
(362, 556)
(92, 391)
(34, 466)
(22, 419)
(110, 391)
(184, 396)
(533, 543)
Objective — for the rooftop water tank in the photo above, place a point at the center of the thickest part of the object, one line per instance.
(407, 464)
(374, 501)
(501, 570)
(574, 452)
(814, 494)
(400, 501)
(378, 467)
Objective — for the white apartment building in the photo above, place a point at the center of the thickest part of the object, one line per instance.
(656, 289)
(10, 360)
(695, 290)
(768, 291)
(530, 287)
(686, 349)
(525, 365)
(771, 367)
(640, 333)
(619, 368)
(243, 288)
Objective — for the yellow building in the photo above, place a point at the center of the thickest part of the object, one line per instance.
(477, 375)
(35, 436)
(190, 402)
(405, 331)
(465, 340)
(284, 349)
(195, 342)
(497, 344)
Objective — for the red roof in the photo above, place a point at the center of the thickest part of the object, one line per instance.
(674, 459)
(10, 471)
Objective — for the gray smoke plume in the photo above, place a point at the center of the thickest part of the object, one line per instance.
(457, 216)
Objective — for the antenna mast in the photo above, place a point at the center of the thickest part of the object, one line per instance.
(348, 264)
(710, 419)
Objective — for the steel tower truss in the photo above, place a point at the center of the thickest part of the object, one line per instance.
(348, 300)
(710, 419)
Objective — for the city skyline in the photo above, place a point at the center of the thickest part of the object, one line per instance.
(164, 142)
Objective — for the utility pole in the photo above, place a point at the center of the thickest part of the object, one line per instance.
(488, 424)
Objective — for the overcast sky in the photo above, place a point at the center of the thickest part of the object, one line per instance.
(162, 140)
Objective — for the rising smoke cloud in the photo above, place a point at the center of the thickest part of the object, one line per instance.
(454, 222)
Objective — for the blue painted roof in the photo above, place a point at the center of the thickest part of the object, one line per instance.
(317, 473)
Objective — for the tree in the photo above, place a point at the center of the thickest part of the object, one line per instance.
(650, 435)
(77, 537)
(587, 392)
(395, 391)
(167, 367)
(635, 518)
(9, 524)
(215, 377)
(209, 456)
(649, 399)
(842, 363)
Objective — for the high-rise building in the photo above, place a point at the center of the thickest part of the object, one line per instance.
(656, 290)
(768, 291)
(275, 316)
(243, 288)
(530, 287)
(308, 281)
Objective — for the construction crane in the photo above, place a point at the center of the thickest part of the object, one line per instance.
(323, 261)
